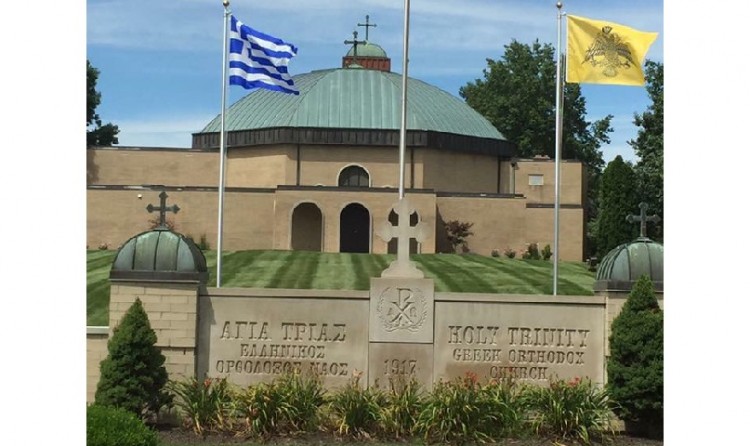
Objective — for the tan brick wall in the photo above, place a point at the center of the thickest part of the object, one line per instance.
(138, 167)
(571, 175)
(96, 351)
(321, 165)
(114, 216)
(260, 166)
(172, 312)
(501, 223)
(459, 172)
(540, 229)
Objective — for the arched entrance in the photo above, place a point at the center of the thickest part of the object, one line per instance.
(354, 229)
(393, 243)
(307, 228)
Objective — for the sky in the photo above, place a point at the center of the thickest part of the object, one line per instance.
(160, 61)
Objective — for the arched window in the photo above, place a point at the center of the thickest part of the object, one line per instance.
(354, 176)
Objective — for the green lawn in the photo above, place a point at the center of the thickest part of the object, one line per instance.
(298, 269)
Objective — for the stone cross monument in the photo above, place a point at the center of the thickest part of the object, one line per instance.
(643, 219)
(402, 266)
(163, 209)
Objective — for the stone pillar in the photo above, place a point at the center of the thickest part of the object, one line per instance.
(172, 309)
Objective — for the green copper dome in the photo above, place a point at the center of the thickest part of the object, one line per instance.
(367, 49)
(159, 254)
(624, 265)
(355, 99)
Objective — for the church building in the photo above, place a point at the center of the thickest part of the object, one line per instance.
(319, 171)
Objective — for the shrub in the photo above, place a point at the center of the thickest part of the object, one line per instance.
(403, 404)
(203, 244)
(112, 426)
(457, 412)
(635, 368)
(495, 253)
(206, 405)
(457, 232)
(133, 374)
(290, 403)
(356, 411)
(546, 252)
(510, 253)
(576, 409)
(532, 252)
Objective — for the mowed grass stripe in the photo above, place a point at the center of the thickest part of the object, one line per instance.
(467, 276)
(432, 269)
(503, 275)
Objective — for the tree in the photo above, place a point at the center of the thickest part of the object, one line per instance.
(96, 133)
(618, 198)
(649, 145)
(133, 374)
(517, 95)
(635, 368)
(458, 232)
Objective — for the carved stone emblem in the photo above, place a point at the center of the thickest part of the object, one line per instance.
(402, 309)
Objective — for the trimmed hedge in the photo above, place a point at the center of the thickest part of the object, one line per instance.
(112, 426)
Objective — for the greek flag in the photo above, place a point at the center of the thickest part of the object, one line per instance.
(257, 60)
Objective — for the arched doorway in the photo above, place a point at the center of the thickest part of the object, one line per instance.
(393, 243)
(307, 228)
(354, 229)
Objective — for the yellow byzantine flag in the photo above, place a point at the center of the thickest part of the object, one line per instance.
(605, 52)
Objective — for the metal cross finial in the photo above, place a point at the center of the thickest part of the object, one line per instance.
(643, 219)
(354, 42)
(367, 26)
(163, 209)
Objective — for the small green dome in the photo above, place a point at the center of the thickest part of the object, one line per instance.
(625, 264)
(159, 254)
(367, 49)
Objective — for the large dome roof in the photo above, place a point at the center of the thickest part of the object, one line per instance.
(355, 99)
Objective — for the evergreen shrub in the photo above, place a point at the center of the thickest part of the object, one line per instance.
(532, 252)
(635, 368)
(133, 376)
(112, 426)
(546, 252)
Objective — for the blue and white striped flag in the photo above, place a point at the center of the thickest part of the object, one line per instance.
(257, 60)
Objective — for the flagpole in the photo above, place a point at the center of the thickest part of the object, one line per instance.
(404, 77)
(558, 150)
(222, 146)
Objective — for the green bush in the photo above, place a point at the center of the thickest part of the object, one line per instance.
(532, 252)
(576, 409)
(290, 403)
(205, 405)
(133, 374)
(508, 404)
(546, 252)
(112, 426)
(355, 410)
(635, 368)
(457, 411)
(403, 404)
(510, 253)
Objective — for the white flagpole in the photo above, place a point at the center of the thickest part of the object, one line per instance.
(404, 77)
(558, 150)
(222, 145)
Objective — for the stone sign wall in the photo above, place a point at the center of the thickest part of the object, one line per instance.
(254, 335)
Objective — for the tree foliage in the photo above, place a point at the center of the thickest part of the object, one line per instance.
(635, 368)
(517, 95)
(649, 145)
(133, 374)
(96, 133)
(617, 199)
(458, 232)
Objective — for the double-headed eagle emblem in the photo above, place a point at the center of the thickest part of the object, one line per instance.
(610, 52)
